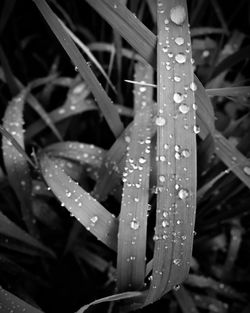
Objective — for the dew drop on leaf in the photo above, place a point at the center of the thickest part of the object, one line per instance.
(180, 58)
(142, 160)
(177, 262)
(196, 129)
(184, 108)
(193, 86)
(68, 194)
(162, 178)
(178, 97)
(160, 121)
(183, 194)
(178, 15)
(246, 170)
(177, 78)
(134, 224)
(165, 223)
(179, 41)
(185, 153)
(94, 219)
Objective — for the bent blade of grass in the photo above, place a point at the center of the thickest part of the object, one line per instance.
(116, 297)
(134, 207)
(176, 150)
(79, 152)
(76, 103)
(10, 229)
(11, 303)
(89, 212)
(15, 163)
(108, 109)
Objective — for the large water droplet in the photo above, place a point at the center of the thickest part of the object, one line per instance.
(178, 97)
(134, 224)
(179, 41)
(178, 15)
(160, 121)
(180, 58)
(184, 108)
(183, 194)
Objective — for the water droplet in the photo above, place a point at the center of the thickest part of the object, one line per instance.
(165, 223)
(178, 97)
(166, 146)
(160, 121)
(162, 158)
(178, 15)
(246, 170)
(127, 139)
(162, 178)
(177, 262)
(195, 106)
(183, 194)
(196, 129)
(94, 219)
(185, 153)
(164, 49)
(184, 108)
(193, 86)
(142, 89)
(76, 68)
(177, 78)
(180, 58)
(134, 224)
(177, 156)
(179, 41)
(68, 194)
(166, 21)
(176, 287)
(142, 160)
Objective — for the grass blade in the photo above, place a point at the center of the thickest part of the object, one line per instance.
(133, 215)
(109, 111)
(176, 151)
(11, 303)
(89, 212)
(15, 163)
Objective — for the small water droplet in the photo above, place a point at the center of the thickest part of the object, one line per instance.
(142, 160)
(184, 108)
(246, 170)
(162, 178)
(179, 41)
(180, 58)
(164, 49)
(165, 223)
(134, 224)
(185, 153)
(178, 15)
(76, 69)
(178, 97)
(183, 194)
(142, 89)
(193, 86)
(196, 129)
(176, 287)
(162, 158)
(94, 219)
(177, 262)
(160, 121)
(127, 139)
(166, 21)
(177, 78)
(68, 194)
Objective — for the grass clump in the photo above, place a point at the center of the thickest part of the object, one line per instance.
(125, 182)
